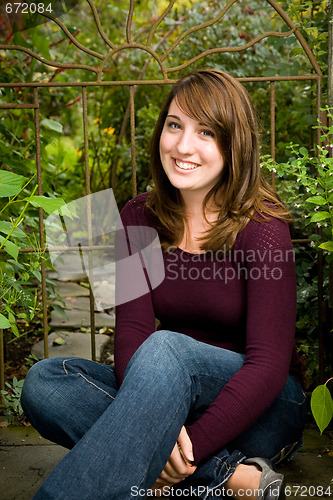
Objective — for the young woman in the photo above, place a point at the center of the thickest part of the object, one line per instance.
(203, 404)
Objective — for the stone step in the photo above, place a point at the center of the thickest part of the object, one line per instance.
(76, 344)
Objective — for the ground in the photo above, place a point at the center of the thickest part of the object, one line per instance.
(26, 459)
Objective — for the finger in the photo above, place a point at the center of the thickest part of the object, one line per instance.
(171, 478)
(185, 444)
(159, 489)
(176, 465)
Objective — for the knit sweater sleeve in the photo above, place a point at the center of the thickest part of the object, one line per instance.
(135, 319)
(270, 328)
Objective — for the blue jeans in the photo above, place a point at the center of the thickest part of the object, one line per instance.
(121, 438)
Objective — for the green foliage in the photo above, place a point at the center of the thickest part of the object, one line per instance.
(12, 399)
(109, 143)
(322, 406)
(315, 175)
(19, 274)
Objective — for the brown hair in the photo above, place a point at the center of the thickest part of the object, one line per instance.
(222, 103)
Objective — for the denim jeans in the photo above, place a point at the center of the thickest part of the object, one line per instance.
(121, 438)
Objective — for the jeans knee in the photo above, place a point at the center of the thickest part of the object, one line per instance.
(164, 344)
(37, 383)
(162, 351)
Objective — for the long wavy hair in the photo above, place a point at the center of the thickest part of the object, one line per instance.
(220, 102)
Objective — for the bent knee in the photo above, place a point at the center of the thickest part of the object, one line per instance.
(164, 338)
(39, 380)
(163, 349)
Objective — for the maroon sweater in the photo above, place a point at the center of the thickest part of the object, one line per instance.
(244, 301)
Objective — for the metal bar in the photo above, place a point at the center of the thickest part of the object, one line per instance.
(109, 247)
(2, 357)
(321, 312)
(41, 225)
(272, 95)
(64, 249)
(99, 25)
(89, 224)
(18, 106)
(151, 82)
(199, 27)
(127, 46)
(298, 34)
(223, 50)
(318, 109)
(72, 38)
(53, 64)
(158, 22)
(129, 22)
(132, 123)
(321, 302)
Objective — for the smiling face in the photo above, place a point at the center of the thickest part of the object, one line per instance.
(189, 153)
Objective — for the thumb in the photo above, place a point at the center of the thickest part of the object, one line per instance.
(186, 445)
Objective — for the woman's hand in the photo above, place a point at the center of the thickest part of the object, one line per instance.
(179, 466)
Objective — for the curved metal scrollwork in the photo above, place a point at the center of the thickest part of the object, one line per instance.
(154, 51)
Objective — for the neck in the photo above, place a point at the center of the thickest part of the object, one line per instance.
(194, 205)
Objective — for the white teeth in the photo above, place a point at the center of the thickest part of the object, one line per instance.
(185, 166)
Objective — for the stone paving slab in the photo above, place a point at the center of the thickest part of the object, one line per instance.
(78, 317)
(26, 459)
(76, 344)
(70, 289)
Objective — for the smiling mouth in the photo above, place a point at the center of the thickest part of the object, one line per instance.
(186, 166)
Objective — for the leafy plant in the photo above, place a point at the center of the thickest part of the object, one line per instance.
(19, 273)
(315, 174)
(322, 405)
(12, 400)
(314, 198)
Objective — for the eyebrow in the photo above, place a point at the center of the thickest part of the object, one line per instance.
(202, 124)
(174, 116)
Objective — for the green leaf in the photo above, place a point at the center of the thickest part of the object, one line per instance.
(10, 247)
(322, 406)
(317, 200)
(37, 274)
(51, 125)
(11, 317)
(6, 227)
(60, 310)
(10, 183)
(327, 245)
(296, 52)
(50, 205)
(303, 151)
(15, 330)
(320, 216)
(4, 323)
(59, 341)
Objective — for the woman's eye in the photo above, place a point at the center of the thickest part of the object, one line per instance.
(173, 125)
(208, 133)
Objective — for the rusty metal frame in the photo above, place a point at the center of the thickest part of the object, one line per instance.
(97, 67)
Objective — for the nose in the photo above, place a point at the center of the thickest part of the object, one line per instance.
(186, 143)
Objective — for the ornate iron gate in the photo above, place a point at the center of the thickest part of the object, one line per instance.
(97, 68)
